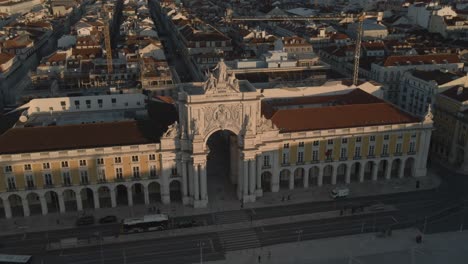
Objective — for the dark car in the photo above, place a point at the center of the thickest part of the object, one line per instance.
(187, 223)
(108, 219)
(85, 220)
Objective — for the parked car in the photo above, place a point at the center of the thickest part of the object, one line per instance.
(85, 220)
(108, 219)
(187, 223)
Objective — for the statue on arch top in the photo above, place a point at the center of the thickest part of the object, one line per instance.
(221, 73)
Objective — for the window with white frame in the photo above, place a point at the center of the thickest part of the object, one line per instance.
(118, 173)
(266, 161)
(316, 143)
(64, 164)
(343, 153)
(100, 161)
(344, 140)
(285, 158)
(8, 169)
(82, 163)
(46, 165)
(29, 180)
(152, 157)
(372, 138)
(11, 183)
(27, 167)
(301, 144)
(136, 172)
(174, 171)
(153, 171)
(358, 139)
(330, 142)
(118, 160)
(357, 151)
(48, 179)
(84, 177)
(300, 157)
(385, 149)
(315, 155)
(66, 178)
(101, 174)
(371, 150)
(398, 148)
(412, 146)
(134, 158)
(286, 145)
(386, 137)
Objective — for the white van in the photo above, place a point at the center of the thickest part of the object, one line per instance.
(339, 192)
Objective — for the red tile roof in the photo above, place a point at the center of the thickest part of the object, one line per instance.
(5, 57)
(354, 109)
(50, 138)
(417, 59)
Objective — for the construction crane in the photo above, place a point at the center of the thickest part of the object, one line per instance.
(108, 46)
(350, 17)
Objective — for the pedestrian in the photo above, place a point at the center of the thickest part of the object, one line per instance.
(58, 221)
(242, 205)
(159, 211)
(282, 198)
(259, 259)
(289, 197)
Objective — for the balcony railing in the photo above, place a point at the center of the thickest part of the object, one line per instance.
(119, 179)
(264, 167)
(384, 155)
(397, 154)
(285, 164)
(12, 189)
(343, 158)
(154, 176)
(102, 181)
(49, 185)
(357, 157)
(411, 152)
(315, 161)
(136, 178)
(65, 184)
(371, 156)
(300, 163)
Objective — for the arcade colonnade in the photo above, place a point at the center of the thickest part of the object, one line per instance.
(78, 198)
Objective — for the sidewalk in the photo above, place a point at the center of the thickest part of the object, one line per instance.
(400, 248)
(56, 221)
(73, 243)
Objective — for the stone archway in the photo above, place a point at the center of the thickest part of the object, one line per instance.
(104, 195)
(266, 181)
(87, 198)
(175, 191)
(69, 199)
(154, 192)
(121, 195)
(284, 179)
(314, 173)
(382, 172)
(409, 167)
(341, 174)
(16, 205)
(138, 193)
(299, 178)
(396, 164)
(327, 174)
(52, 201)
(34, 203)
(222, 166)
(368, 170)
(355, 171)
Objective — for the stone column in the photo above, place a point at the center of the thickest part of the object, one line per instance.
(184, 181)
(388, 170)
(348, 173)
(245, 178)
(43, 201)
(79, 202)
(7, 208)
(375, 171)
(61, 203)
(113, 198)
(361, 172)
(203, 182)
(97, 204)
(291, 180)
(420, 166)
(240, 176)
(401, 170)
(259, 190)
(196, 182)
(190, 178)
(306, 177)
(130, 196)
(252, 176)
(275, 172)
(146, 194)
(25, 204)
(334, 174)
(320, 176)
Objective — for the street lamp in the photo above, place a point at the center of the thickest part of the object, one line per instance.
(299, 233)
(201, 245)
